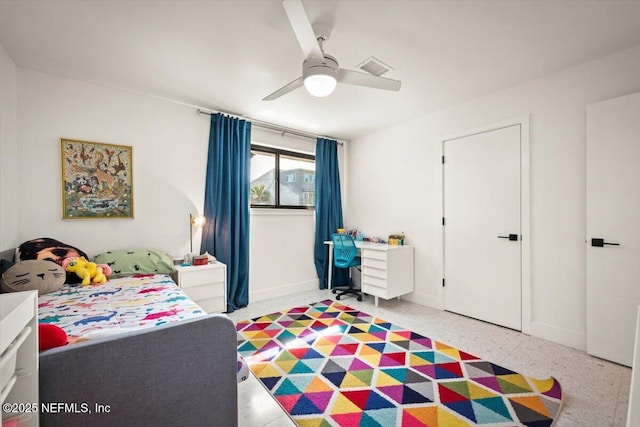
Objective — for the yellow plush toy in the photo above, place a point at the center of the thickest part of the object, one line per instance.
(89, 272)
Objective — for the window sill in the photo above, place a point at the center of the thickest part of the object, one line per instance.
(281, 212)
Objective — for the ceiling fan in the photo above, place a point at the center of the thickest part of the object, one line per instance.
(320, 71)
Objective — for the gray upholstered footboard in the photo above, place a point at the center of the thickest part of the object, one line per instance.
(181, 374)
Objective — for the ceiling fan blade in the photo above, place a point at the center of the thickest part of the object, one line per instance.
(284, 89)
(368, 80)
(302, 27)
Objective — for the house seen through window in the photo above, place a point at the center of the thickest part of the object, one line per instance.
(282, 179)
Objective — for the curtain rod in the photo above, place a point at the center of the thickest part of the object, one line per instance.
(270, 126)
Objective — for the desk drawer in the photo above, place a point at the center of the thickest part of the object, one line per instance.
(373, 254)
(376, 272)
(374, 290)
(374, 281)
(375, 263)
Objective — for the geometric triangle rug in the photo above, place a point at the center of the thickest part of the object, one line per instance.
(328, 364)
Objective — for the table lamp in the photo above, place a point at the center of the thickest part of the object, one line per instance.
(197, 221)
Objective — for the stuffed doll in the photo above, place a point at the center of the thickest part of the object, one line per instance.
(89, 272)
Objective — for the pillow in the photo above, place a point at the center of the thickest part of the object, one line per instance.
(33, 275)
(49, 249)
(141, 261)
(4, 265)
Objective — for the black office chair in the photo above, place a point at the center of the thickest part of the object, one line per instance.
(344, 256)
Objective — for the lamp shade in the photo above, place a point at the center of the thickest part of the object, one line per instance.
(320, 75)
(320, 85)
(198, 220)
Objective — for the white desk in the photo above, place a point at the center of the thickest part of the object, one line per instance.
(387, 270)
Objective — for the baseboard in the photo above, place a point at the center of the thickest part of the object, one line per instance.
(559, 335)
(282, 291)
(422, 299)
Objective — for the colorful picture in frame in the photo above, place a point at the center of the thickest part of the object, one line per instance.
(97, 180)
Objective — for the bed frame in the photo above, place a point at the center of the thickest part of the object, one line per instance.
(182, 373)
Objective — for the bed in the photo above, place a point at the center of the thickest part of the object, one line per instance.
(122, 304)
(141, 348)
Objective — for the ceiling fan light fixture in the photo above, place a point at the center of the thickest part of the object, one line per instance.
(320, 85)
(320, 72)
(320, 76)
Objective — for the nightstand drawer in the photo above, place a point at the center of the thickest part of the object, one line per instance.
(206, 285)
(202, 292)
(213, 305)
(195, 277)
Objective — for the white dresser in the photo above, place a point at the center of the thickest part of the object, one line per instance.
(19, 357)
(204, 284)
(387, 270)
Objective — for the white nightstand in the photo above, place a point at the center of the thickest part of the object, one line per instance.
(204, 284)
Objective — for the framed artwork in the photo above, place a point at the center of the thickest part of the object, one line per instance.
(97, 180)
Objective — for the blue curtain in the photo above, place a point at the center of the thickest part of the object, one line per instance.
(328, 209)
(226, 203)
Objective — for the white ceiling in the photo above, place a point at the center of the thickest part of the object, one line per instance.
(228, 55)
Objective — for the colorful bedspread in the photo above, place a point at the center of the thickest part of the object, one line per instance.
(127, 303)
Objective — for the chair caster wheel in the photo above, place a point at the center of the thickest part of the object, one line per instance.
(359, 298)
(333, 291)
(337, 297)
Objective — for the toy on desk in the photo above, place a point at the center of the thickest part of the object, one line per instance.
(396, 239)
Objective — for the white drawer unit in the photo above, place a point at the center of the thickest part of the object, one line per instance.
(387, 271)
(19, 357)
(204, 284)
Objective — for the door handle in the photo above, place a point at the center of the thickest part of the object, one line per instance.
(512, 237)
(599, 243)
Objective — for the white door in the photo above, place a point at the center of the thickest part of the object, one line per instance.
(482, 249)
(613, 227)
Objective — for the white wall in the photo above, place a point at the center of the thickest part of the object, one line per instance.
(8, 152)
(396, 184)
(281, 239)
(170, 143)
(169, 159)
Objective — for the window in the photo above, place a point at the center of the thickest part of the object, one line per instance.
(282, 179)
